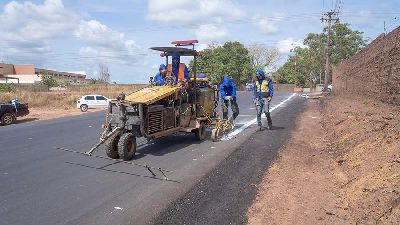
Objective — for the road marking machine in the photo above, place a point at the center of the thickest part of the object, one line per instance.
(157, 111)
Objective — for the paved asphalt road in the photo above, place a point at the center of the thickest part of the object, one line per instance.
(224, 195)
(42, 185)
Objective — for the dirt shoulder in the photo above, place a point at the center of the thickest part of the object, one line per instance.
(52, 113)
(340, 166)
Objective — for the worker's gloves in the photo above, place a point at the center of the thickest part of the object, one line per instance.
(228, 98)
(269, 98)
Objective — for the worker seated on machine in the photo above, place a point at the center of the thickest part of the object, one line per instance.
(178, 70)
(159, 79)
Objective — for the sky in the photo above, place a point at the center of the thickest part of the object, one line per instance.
(78, 35)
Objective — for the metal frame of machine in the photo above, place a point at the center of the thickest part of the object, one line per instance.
(158, 111)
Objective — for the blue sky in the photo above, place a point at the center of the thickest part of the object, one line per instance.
(78, 35)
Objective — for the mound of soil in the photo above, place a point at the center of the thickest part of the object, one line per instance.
(341, 166)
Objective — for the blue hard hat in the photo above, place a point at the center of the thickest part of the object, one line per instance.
(260, 72)
(162, 67)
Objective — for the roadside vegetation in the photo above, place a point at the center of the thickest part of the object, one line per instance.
(64, 94)
(235, 60)
(62, 99)
(306, 65)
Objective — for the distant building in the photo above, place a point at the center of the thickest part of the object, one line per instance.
(73, 78)
(28, 74)
(10, 73)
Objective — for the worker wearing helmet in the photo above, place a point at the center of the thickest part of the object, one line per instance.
(178, 70)
(227, 91)
(159, 79)
(263, 90)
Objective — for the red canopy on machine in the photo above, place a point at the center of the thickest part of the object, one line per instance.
(187, 42)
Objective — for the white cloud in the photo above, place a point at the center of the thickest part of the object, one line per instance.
(267, 25)
(28, 28)
(288, 44)
(105, 44)
(211, 32)
(189, 11)
(95, 33)
(201, 46)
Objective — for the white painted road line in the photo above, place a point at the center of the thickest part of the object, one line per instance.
(253, 121)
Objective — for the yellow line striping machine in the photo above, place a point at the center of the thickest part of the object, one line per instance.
(157, 111)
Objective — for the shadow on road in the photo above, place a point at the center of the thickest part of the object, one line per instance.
(25, 120)
(277, 128)
(120, 172)
(166, 145)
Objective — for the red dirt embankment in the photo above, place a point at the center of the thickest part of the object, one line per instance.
(341, 166)
(374, 72)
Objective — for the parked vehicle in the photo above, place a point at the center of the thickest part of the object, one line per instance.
(92, 101)
(249, 86)
(330, 88)
(11, 110)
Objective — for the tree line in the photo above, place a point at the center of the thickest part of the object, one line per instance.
(235, 60)
(305, 66)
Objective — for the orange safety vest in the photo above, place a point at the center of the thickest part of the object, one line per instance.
(181, 71)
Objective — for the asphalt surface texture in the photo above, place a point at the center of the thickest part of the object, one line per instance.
(40, 184)
(224, 195)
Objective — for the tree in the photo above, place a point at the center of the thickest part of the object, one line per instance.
(7, 87)
(231, 59)
(48, 80)
(262, 56)
(103, 73)
(96, 81)
(304, 66)
(345, 42)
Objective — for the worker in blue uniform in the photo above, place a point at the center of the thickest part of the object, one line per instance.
(263, 90)
(227, 91)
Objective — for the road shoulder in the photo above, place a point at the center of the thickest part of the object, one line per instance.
(224, 194)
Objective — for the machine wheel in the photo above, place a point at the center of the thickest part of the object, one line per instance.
(127, 146)
(201, 132)
(7, 119)
(84, 107)
(112, 147)
(215, 134)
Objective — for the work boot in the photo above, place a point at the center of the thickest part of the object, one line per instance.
(261, 127)
(269, 127)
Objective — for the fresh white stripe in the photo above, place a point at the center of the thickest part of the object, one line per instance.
(251, 122)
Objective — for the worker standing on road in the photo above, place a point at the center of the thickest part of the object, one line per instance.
(159, 79)
(263, 90)
(227, 91)
(177, 69)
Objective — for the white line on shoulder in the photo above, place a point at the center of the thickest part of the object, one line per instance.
(251, 122)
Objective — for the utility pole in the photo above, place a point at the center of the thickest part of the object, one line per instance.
(328, 17)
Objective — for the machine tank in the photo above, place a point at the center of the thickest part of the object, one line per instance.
(206, 100)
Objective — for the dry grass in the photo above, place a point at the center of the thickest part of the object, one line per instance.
(67, 99)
